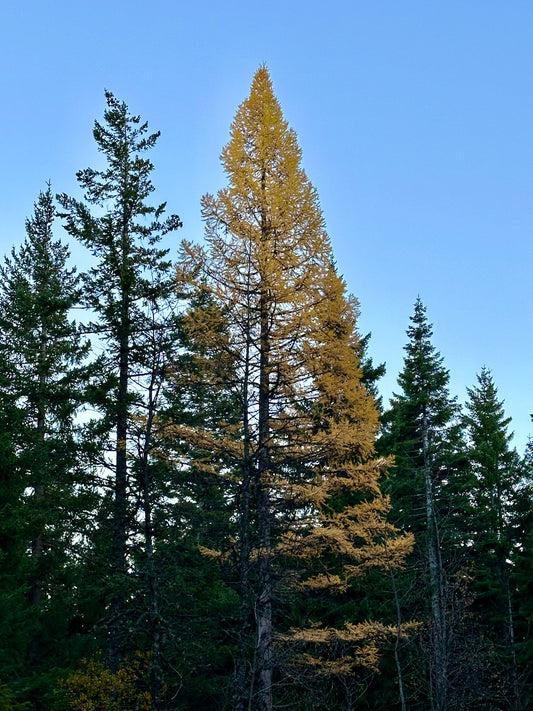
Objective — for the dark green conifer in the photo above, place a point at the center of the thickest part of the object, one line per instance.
(421, 431)
(492, 535)
(41, 389)
(129, 292)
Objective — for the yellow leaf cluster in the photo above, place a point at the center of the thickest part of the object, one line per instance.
(333, 652)
(93, 687)
(278, 328)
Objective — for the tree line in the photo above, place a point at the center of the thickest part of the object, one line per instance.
(204, 503)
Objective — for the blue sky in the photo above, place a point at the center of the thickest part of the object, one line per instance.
(415, 120)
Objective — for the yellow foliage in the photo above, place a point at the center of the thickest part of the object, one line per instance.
(322, 581)
(333, 652)
(279, 317)
(93, 687)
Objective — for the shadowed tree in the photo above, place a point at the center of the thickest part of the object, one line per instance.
(42, 389)
(128, 292)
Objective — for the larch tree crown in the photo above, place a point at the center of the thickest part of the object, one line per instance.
(301, 462)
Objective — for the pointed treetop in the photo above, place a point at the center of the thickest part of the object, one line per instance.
(486, 416)
(262, 79)
(269, 205)
(424, 378)
(419, 347)
(421, 328)
(263, 150)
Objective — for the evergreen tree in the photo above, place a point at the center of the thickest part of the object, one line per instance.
(494, 464)
(522, 574)
(42, 388)
(129, 291)
(496, 475)
(421, 431)
(370, 373)
(307, 423)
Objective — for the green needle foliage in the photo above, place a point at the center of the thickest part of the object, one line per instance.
(130, 293)
(492, 535)
(421, 430)
(194, 510)
(42, 388)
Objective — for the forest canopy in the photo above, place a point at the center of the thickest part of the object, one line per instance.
(204, 502)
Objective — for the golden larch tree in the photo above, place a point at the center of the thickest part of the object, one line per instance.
(300, 462)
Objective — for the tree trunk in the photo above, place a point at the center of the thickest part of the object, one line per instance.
(243, 693)
(264, 593)
(34, 650)
(118, 557)
(154, 627)
(438, 662)
(155, 680)
(517, 701)
(397, 641)
(264, 605)
(37, 544)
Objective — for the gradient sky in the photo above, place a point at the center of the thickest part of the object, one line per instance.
(415, 119)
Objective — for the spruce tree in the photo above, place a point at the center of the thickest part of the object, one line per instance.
(522, 573)
(421, 430)
(494, 464)
(42, 388)
(128, 292)
(493, 536)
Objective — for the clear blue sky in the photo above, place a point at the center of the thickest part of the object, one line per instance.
(416, 124)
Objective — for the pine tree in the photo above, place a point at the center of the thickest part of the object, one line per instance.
(129, 291)
(307, 423)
